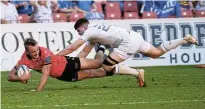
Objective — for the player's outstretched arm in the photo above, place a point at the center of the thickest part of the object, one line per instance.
(44, 77)
(12, 77)
(72, 47)
(86, 50)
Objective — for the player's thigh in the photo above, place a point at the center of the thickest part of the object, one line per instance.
(149, 50)
(90, 63)
(125, 51)
(128, 47)
(120, 54)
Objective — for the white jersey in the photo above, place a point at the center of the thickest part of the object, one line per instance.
(124, 42)
(105, 34)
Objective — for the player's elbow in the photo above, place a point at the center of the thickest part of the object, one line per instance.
(62, 53)
(10, 79)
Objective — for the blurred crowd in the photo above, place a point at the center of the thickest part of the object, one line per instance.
(48, 11)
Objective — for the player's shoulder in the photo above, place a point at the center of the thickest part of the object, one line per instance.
(25, 58)
(90, 30)
(24, 55)
(44, 51)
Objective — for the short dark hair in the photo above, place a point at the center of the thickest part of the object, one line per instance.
(29, 42)
(79, 22)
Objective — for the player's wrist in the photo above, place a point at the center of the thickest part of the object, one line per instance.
(39, 89)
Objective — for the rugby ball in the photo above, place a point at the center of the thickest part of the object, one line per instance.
(22, 70)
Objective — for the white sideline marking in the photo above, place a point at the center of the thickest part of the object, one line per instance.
(180, 75)
(152, 76)
(97, 104)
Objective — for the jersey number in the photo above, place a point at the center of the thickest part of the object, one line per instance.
(103, 27)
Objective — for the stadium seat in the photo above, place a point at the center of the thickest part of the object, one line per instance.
(186, 13)
(112, 15)
(130, 6)
(112, 10)
(59, 17)
(24, 18)
(149, 15)
(200, 13)
(75, 16)
(131, 15)
(112, 6)
(99, 7)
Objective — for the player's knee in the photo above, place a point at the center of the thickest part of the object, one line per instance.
(10, 79)
(110, 73)
(109, 61)
(108, 65)
(109, 70)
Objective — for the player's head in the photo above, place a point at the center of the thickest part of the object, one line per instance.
(31, 47)
(4, 1)
(81, 25)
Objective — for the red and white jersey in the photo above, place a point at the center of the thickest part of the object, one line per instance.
(106, 34)
(57, 62)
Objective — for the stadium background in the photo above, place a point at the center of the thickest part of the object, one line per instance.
(171, 87)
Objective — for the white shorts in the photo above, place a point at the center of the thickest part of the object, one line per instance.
(135, 43)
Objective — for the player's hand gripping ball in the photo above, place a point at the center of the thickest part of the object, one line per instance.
(23, 73)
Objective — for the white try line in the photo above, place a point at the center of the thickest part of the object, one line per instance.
(98, 104)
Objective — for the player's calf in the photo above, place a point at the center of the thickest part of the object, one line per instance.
(172, 44)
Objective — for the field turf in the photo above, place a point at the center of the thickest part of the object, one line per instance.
(171, 87)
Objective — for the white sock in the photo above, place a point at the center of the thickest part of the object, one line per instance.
(125, 70)
(169, 45)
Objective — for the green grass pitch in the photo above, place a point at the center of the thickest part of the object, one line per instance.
(171, 87)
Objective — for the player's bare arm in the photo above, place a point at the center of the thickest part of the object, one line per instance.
(44, 77)
(72, 47)
(12, 77)
(86, 50)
